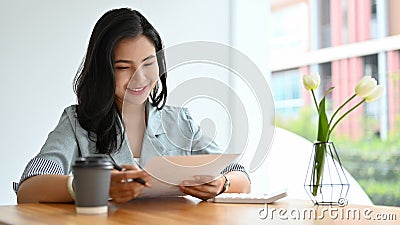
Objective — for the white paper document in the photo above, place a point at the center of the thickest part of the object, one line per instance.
(170, 171)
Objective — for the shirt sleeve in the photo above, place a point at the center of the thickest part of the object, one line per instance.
(235, 167)
(57, 153)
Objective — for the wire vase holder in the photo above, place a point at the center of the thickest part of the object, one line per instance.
(332, 186)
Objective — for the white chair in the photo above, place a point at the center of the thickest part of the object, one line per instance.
(286, 167)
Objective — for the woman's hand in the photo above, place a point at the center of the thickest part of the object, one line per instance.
(123, 190)
(202, 190)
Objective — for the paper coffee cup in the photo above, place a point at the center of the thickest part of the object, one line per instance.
(92, 184)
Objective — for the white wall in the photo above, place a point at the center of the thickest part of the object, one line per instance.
(42, 44)
(250, 35)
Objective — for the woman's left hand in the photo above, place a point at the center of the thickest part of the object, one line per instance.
(202, 190)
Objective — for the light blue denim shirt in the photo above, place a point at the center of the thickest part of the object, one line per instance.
(170, 131)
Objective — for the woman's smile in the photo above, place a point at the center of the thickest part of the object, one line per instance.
(137, 91)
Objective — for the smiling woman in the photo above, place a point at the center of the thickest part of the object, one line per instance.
(124, 65)
(117, 37)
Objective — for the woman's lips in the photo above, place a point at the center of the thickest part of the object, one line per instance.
(137, 91)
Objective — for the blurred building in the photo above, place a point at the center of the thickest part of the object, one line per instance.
(343, 40)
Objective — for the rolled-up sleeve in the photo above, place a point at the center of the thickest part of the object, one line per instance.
(57, 153)
(235, 167)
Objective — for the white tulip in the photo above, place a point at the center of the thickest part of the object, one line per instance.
(311, 82)
(375, 94)
(365, 86)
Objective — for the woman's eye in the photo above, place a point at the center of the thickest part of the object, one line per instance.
(148, 64)
(122, 67)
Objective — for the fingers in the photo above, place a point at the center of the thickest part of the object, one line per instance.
(203, 191)
(125, 175)
(125, 192)
(203, 194)
(122, 187)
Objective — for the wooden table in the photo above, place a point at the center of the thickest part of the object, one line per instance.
(191, 211)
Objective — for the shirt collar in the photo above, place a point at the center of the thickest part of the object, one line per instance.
(154, 120)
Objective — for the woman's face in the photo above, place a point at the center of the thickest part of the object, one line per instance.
(135, 70)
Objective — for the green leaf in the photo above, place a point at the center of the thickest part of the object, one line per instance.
(323, 127)
(319, 164)
(329, 91)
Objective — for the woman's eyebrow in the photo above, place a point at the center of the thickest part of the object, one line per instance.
(130, 61)
(148, 57)
(123, 61)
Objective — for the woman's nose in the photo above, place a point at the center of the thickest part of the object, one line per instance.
(138, 75)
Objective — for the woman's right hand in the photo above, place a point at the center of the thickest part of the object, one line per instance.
(121, 190)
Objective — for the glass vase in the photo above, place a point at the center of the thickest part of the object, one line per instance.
(326, 182)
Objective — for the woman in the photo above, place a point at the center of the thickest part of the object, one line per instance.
(123, 56)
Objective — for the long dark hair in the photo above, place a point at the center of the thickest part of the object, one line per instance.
(94, 83)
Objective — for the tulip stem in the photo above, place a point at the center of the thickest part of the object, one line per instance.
(315, 100)
(336, 123)
(340, 108)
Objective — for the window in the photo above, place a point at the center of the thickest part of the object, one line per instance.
(371, 69)
(374, 21)
(325, 70)
(289, 29)
(286, 89)
(324, 24)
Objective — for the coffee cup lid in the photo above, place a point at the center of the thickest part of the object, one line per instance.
(93, 161)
